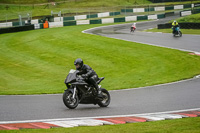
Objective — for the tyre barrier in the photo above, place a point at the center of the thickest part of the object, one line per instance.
(8, 24)
(152, 17)
(158, 1)
(17, 29)
(195, 11)
(131, 18)
(55, 24)
(107, 20)
(159, 8)
(189, 12)
(104, 14)
(182, 26)
(185, 13)
(79, 17)
(169, 14)
(178, 7)
(82, 22)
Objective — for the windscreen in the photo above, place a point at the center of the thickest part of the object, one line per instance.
(71, 77)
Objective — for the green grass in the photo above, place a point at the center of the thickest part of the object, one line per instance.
(27, 1)
(71, 8)
(186, 125)
(195, 18)
(184, 31)
(113, 2)
(80, 2)
(37, 62)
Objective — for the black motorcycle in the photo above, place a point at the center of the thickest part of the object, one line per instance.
(79, 91)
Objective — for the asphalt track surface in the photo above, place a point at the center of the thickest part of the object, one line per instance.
(160, 98)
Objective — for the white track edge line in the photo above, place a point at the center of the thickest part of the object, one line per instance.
(85, 118)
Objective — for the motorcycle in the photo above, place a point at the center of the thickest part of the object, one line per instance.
(80, 92)
(132, 28)
(177, 31)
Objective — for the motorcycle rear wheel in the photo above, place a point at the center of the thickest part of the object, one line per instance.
(69, 101)
(106, 98)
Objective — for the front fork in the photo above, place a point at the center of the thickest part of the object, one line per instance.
(72, 89)
(74, 93)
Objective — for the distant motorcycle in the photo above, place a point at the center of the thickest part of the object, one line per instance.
(177, 31)
(78, 91)
(133, 27)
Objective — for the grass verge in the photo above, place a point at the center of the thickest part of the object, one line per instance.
(37, 62)
(195, 18)
(71, 8)
(186, 125)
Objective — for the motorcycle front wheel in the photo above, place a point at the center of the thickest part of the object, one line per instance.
(180, 33)
(69, 101)
(106, 98)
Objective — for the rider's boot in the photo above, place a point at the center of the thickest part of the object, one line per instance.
(99, 92)
(93, 82)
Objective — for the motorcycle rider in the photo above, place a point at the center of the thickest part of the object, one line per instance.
(133, 27)
(174, 26)
(88, 74)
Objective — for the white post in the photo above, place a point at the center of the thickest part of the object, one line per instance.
(125, 11)
(20, 20)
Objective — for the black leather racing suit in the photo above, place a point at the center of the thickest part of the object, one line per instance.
(90, 75)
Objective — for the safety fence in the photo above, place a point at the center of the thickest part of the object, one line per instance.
(124, 12)
(159, 8)
(73, 18)
(182, 26)
(189, 12)
(157, 1)
(115, 20)
(84, 22)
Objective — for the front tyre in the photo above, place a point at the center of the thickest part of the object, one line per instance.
(106, 98)
(180, 33)
(69, 101)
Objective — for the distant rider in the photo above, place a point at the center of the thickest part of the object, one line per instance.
(133, 27)
(88, 74)
(174, 26)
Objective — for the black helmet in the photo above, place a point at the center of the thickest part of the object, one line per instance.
(78, 61)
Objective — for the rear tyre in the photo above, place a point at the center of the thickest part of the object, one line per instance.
(69, 101)
(106, 98)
